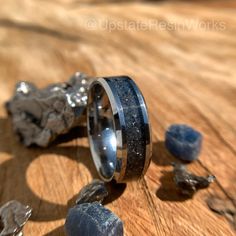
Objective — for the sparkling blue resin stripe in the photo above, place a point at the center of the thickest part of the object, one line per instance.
(135, 127)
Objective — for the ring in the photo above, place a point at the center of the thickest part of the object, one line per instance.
(119, 130)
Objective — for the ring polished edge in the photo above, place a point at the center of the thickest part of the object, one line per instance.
(131, 126)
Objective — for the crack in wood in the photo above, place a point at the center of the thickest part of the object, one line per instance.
(151, 204)
(208, 122)
(218, 184)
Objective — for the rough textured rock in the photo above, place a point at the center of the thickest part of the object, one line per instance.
(225, 207)
(189, 183)
(183, 142)
(96, 191)
(90, 219)
(13, 216)
(39, 116)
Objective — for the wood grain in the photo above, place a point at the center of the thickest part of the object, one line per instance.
(185, 65)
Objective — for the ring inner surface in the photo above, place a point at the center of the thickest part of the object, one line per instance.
(102, 132)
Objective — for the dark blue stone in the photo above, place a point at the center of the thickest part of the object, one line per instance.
(92, 219)
(183, 142)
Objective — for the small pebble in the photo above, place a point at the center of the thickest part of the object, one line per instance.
(13, 216)
(92, 219)
(183, 142)
(189, 183)
(96, 191)
(225, 207)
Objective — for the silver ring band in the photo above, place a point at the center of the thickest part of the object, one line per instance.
(118, 129)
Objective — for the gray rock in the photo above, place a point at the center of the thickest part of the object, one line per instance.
(90, 219)
(96, 191)
(225, 207)
(189, 183)
(13, 216)
(39, 116)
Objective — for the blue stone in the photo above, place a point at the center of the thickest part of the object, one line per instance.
(183, 142)
(90, 219)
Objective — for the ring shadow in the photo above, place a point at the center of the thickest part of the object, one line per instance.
(167, 190)
(13, 172)
(115, 190)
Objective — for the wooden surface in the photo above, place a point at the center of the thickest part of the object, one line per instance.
(187, 75)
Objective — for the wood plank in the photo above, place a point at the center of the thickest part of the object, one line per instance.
(183, 57)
